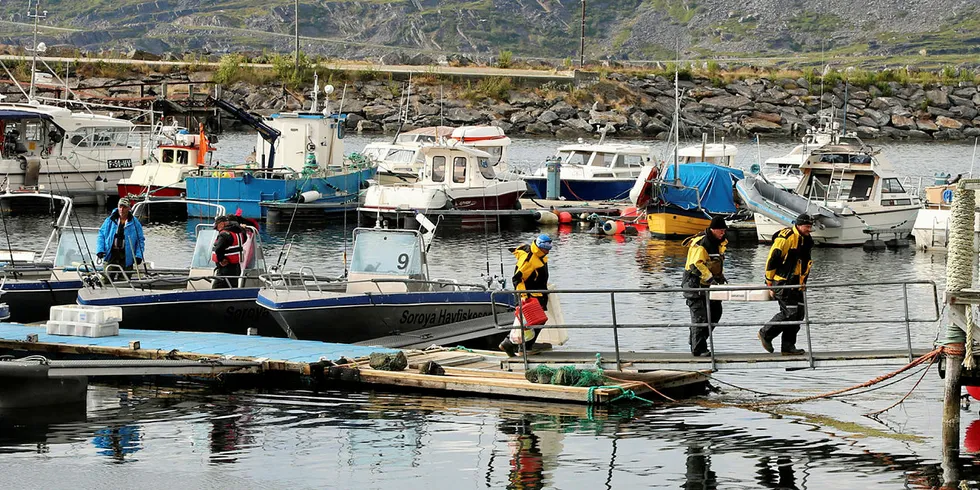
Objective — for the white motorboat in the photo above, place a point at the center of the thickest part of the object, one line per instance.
(399, 161)
(594, 171)
(453, 176)
(851, 191)
(784, 171)
(176, 159)
(72, 153)
(931, 229)
(714, 153)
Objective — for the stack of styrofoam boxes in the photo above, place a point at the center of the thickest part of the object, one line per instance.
(84, 321)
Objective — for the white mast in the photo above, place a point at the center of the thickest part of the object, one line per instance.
(37, 15)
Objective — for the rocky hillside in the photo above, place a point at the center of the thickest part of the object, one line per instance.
(423, 31)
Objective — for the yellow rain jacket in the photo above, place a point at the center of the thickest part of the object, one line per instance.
(705, 259)
(789, 258)
(531, 272)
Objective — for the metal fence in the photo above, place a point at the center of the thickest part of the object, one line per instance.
(805, 323)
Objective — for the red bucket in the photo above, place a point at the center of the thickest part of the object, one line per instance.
(533, 313)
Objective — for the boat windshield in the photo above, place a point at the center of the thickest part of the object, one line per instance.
(388, 253)
(205, 242)
(76, 246)
(575, 157)
(485, 168)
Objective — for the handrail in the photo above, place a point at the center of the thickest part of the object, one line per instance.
(806, 321)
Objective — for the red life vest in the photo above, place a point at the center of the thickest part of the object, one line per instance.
(234, 252)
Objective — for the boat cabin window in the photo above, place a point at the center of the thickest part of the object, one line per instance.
(400, 156)
(892, 186)
(496, 153)
(182, 157)
(438, 169)
(575, 157)
(486, 169)
(167, 156)
(845, 158)
(76, 247)
(861, 188)
(630, 161)
(602, 160)
(817, 188)
(459, 170)
(387, 253)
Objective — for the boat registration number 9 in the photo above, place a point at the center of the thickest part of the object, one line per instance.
(120, 163)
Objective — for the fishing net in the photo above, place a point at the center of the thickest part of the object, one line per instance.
(388, 362)
(565, 376)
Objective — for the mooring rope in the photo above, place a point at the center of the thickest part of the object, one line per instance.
(959, 263)
(931, 356)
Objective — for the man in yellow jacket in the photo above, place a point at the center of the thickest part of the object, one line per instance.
(788, 264)
(530, 273)
(705, 264)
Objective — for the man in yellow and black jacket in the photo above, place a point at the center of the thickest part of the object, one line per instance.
(705, 263)
(789, 263)
(531, 274)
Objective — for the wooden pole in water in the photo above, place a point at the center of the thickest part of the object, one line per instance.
(959, 276)
(951, 419)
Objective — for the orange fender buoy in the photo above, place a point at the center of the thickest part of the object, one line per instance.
(971, 442)
(564, 217)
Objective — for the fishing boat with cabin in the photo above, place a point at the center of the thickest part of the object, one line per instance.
(591, 171)
(299, 158)
(850, 190)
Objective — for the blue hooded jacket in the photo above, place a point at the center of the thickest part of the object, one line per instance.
(133, 232)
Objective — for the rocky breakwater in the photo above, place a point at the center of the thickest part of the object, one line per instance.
(643, 106)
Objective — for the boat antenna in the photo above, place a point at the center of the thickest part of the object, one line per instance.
(403, 109)
(677, 110)
(442, 106)
(974, 159)
(37, 15)
(10, 249)
(843, 117)
(316, 91)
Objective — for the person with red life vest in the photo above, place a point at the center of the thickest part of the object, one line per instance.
(228, 253)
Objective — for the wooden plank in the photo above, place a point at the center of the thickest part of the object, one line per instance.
(482, 385)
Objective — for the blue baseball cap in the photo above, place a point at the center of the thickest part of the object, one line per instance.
(543, 242)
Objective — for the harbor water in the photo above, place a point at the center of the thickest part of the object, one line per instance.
(159, 437)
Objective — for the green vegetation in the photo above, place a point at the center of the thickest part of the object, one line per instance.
(850, 429)
(815, 22)
(496, 88)
(680, 10)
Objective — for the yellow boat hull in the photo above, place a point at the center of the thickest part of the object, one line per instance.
(670, 225)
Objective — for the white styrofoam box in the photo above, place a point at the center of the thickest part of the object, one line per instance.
(86, 314)
(99, 314)
(77, 329)
(96, 329)
(55, 327)
(744, 295)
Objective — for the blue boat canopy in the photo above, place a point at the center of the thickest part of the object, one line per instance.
(8, 114)
(714, 183)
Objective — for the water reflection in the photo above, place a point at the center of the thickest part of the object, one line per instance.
(526, 464)
(117, 442)
(776, 474)
(230, 432)
(698, 464)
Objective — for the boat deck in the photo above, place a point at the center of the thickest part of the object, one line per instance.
(467, 372)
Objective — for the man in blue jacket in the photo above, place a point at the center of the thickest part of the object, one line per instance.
(121, 241)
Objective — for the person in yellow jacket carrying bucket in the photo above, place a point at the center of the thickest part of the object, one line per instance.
(704, 267)
(530, 273)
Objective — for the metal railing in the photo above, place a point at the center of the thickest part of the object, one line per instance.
(283, 280)
(806, 322)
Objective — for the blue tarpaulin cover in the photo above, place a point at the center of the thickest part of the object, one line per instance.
(714, 184)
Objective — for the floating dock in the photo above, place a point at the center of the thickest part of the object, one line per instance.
(285, 363)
